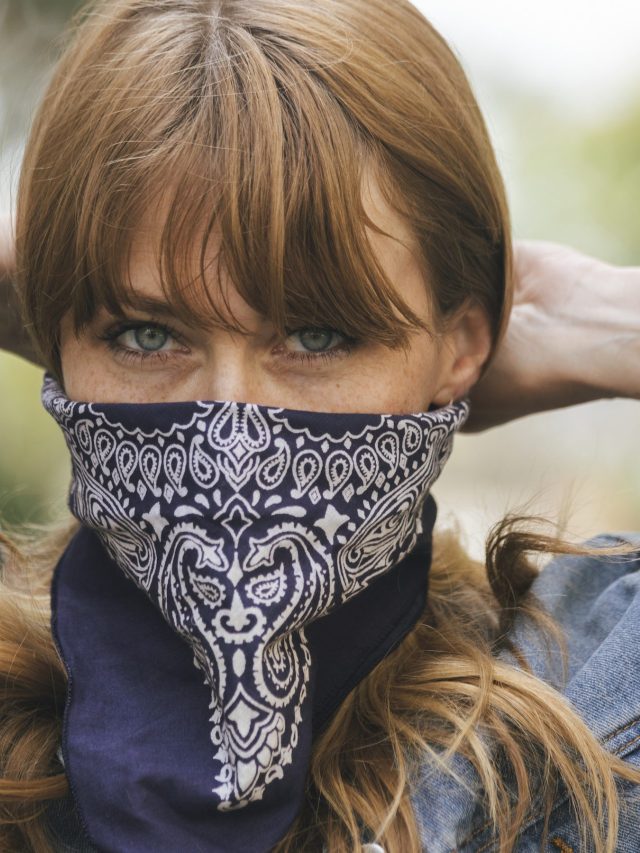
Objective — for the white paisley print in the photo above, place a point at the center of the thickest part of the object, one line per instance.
(243, 523)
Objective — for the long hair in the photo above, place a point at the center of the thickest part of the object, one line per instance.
(253, 123)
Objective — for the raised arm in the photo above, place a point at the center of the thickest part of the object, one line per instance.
(574, 336)
(12, 334)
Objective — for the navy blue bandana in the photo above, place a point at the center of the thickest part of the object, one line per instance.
(243, 568)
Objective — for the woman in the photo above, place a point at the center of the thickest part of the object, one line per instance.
(292, 211)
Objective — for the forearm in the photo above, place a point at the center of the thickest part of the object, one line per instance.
(625, 340)
(573, 337)
(603, 343)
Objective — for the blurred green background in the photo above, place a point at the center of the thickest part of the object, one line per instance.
(560, 88)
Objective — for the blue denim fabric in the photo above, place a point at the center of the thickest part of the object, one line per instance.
(597, 603)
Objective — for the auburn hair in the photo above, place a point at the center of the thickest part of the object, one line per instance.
(252, 125)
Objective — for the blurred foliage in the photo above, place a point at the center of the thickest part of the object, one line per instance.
(19, 13)
(576, 182)
(34, 464)
(30, 42)
(613, 153)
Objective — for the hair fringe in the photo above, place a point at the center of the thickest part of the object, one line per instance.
(32, 691)
(163, 85)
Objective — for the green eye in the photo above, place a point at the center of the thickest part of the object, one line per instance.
(140, 340)
(151, 338)
(316, 340)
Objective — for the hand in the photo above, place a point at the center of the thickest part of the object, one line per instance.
(13, 336)
(573, 336)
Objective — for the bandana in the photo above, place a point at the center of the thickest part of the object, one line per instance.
(239, 570)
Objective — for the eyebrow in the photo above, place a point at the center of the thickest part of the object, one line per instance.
(149, 305)
(160, 309)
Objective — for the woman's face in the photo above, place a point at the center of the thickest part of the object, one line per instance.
(150, 356)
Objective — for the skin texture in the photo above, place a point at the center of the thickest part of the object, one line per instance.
(214, 364)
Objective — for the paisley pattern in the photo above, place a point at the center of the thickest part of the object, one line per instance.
(243, 523)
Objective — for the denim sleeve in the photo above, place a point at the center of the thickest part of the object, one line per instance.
(563, 833)
(596, 602)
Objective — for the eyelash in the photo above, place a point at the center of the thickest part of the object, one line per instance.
(126, 354)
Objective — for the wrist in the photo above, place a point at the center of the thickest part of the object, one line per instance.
(607, 355)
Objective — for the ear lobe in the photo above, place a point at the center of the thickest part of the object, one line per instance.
(467, 343)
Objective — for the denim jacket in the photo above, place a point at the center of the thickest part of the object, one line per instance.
(596, 601)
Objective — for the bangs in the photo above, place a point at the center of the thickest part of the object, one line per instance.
(245, 133)
(257, 171)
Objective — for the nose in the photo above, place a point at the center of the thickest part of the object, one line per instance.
(232, 370)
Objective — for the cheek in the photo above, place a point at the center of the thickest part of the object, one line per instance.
(400, 382)
(82, 379)
(73, 361)
(86, 373)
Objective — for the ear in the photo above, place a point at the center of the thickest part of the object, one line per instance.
(465, 347)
